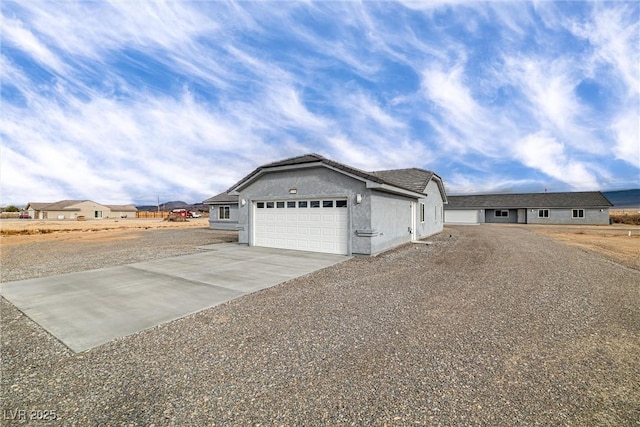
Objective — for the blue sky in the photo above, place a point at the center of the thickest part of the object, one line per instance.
(126, 101)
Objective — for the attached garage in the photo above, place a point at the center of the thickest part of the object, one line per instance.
(462, 216)
(309, 225)
(311, 203)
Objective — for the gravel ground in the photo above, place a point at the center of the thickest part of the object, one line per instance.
(487, 326)
(80, 251)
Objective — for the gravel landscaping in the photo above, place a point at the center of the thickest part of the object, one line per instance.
(488, 325)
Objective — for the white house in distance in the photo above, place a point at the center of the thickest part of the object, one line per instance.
(72, 209)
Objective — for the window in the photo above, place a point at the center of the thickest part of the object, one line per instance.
(269, 205)
(327, 203)
(223, 212)
(502, 213)
(421, 212)
(291, 205)
(341, 203)
(280, 205)
(260, 205)
(302, 204)
(315, 203)
(543, 213)
(577, 213)
(98, 214)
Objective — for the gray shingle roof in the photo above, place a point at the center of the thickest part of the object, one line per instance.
(586, 199)
(221, 198)
(57, 206)
(414, 180)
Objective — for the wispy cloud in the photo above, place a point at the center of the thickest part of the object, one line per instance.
(114, 100)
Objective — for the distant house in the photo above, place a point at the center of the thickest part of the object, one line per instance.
(581, 208)
(72, 209)
(223, 211)
(311, 203)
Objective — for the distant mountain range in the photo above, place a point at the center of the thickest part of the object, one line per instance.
(624, 198)
(167, 206)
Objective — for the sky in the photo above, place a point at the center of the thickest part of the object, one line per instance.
(134, 101)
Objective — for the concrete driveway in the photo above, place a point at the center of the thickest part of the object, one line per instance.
(90, 308)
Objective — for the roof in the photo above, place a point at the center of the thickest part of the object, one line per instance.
(57, 206)
(586, 199)
(122, 208)
(221, 198)
(414, 180)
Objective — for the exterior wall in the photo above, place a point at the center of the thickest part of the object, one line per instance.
(215, 223)
(86, 209)
(563, 216)
(310, 183)
(490, 216)
(122, 214)
(391, 218)
(433, 212)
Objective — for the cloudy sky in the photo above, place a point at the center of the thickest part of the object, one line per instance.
(126, 101)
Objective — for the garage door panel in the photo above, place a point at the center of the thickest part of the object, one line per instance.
(322, 229)
(461, 216)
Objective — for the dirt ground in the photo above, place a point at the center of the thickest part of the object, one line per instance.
(617, 242)
(20, 231)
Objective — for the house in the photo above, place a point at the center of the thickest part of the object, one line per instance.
(581, 208)
(312, 203)
(72, 209)
(223, 211)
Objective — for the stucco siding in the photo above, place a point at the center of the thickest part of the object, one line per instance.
(434, 212)
(217, 223)
(391, 217)
(564, 216)
(490, 216)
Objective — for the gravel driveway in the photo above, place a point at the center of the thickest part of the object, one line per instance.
(489, 325)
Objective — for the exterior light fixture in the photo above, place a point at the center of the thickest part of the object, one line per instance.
(243, 202)
(358, 198)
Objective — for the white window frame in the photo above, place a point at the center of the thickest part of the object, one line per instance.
(542, 212)
(422, 213)
(575, 213)
(224, 213)
(501, 211)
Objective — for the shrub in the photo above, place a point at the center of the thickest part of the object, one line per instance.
(624, 218)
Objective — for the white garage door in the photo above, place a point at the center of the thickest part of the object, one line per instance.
(464, 216)
(307, 225)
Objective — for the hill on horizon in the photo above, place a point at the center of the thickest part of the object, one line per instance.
(175, 204)
(624, 198)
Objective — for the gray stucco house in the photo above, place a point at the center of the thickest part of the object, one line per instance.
(223, 211)
(580, 208)
(311, 203)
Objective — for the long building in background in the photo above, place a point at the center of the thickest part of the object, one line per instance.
(578, 208)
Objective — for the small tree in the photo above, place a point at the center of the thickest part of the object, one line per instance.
(12, 209)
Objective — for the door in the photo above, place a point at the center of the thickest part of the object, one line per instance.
(315, 225)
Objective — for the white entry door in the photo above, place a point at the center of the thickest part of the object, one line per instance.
(315, 225)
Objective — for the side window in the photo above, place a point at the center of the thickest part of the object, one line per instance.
(341, 203)
(302, 204)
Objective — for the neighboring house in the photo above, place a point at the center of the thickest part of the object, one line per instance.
(223, 211)
(311, 203)
(72, 209)
(530, 208)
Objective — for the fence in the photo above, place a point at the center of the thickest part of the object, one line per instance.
(152, 214)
